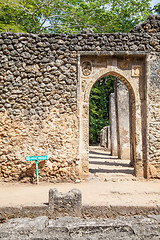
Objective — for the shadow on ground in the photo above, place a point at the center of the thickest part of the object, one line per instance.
(102, 162)
(106, 163)
(111, 171)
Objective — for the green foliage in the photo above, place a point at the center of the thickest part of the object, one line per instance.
(99, 107)
(9, 18)
(103, 15)
(71, 16)
(157, 8)
(31, 16)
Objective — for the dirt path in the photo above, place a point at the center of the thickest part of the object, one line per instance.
(106, 167)
(111, 182)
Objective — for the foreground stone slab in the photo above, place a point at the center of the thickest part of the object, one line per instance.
(137, 227)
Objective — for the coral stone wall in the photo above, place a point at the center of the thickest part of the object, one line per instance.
(38, 111)
(38, 96)
(154, 116)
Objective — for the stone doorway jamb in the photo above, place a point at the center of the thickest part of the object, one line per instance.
(91, 68)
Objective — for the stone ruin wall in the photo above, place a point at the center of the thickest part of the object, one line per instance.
(154, 116)
(38, 109)
(38, 97)
(152, 27)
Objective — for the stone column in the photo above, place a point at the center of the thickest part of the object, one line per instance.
(113, 125)
(123, 119)
(104, 137)
(108, 138)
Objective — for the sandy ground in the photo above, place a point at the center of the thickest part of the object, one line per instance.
(111, 182)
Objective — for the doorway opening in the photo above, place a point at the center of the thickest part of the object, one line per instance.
(111, 129)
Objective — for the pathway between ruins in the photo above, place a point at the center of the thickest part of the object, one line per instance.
(108, 168)
(110, 183)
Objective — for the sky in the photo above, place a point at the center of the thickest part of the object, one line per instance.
(154, 2)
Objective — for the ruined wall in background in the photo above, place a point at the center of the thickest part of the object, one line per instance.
(38, 96)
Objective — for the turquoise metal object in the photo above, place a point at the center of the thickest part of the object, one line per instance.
(36, 158)
(36, 162)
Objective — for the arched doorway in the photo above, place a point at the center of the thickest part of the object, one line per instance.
(111, 145)
(130, 72)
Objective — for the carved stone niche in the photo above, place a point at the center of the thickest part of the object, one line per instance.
(86, 68)
(136, 70)
(100, 62)
(124, 63)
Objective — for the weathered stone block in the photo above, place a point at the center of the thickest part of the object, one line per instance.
(65, 204)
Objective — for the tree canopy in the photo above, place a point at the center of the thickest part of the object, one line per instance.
(32, 16)
(71, 16)
(105, 16)
(157, 8)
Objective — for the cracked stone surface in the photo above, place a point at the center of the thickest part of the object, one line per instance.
(69, 228)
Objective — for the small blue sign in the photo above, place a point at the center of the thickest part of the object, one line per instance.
(36, 158)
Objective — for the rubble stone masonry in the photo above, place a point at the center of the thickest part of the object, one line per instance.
(40, 94)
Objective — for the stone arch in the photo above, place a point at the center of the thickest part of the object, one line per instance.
(114, 74)
(85, 85)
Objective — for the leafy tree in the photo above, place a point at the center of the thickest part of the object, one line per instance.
(72, 16)
(104, 15)
(33, 16)
(99, 107)
(9, 18)
(157, 8)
